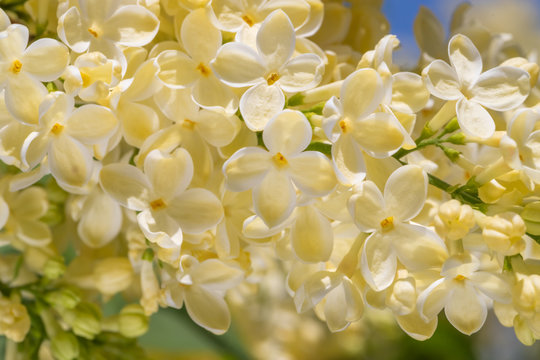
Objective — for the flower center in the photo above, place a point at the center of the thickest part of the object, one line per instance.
(387, 224)
(203, 69)
(93, 32)
(272, 78)
(189, 124)
(158, 204)
(460, 278)
(16, 67)
(57, 129)
(248, 19)
(343, 126)
(280, 160)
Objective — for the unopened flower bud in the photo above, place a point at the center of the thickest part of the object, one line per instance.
(401, 296)
(504, 233)
(65, 346)
(524, 64)
(85, 320)
(454, 220)
(54, 268)
(64, 298)
(132, 321)
(14, 319)
(531, 216)
(113, 275)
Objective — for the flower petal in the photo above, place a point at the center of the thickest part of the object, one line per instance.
(34, 233)
(416, 327)
(260, 103)
(311, 235)
(405, 192)
(196, 210)
(275, 40)
(214, 274)
(169, 174)
(301, 73)
(91, 124)
(199, 36)
(71, 32)
(473, 119)
(348, 160)
(501, 88)
(367, 206)
(57, 56)
(70, 161)
(312, 173)
(246, 168)
(343, 305)
(217, 128)
(442, 80)
(433, 299)
(131, 25)
(126, 184)
(13, 42)
(207, 309)
(101, 220)
(176, 69)
(380, 134)
(409, 93)
(160, 228)
(288, 132)
(363, 81)
(465, 310)
(209, 92)
(378, 261)
(465, 59)
(23, 96)
(274, 198)
(491, 285)
(238, 65)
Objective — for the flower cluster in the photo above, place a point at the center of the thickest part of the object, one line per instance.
(165, 149)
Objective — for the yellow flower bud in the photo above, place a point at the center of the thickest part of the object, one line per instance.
(503, 233)
(531, 216)
(132, 321)
(14, 319)
(454, 220)
(113, 275)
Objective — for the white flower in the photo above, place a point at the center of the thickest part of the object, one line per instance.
(501, 88)
(393, 236)
(268, 71)
(271, 174)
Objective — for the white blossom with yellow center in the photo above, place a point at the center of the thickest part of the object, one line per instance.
(268, 71)
(393, 237)
(271, 174)
(167, 207)
(501, 88)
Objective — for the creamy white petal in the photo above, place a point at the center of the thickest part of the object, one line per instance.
(312, 238)
(301, 73)
(13, 42)
(34, 233)
(417, 247)
(214, 274)
(4, 212)
(169, 174)
(492, 285)
(260, 103)
(91, 124)
(210, 93)
(405, 192)
(131, 25)
(57, 56)
(465, 310)
(378, 261)
(501, 88)
(274, 198)
(433, 299)
(288, 133)
(228, 14)
(312, 173)
(217, 128)
(30, 203)
(246, 168)
(275, 40)
(442, 80)
(465, 59)
(473, 119)
(176, 69)
(416, 327)
(409, 93)
(160, 228)
(126, 184)
(23, 96)
(196, 210)
(199, 36)
(101, 220)
(380, 134)
(238, 65)
(366, 206)
(298, 11)
(366, 82)
(343, 305)
(207, 309)
(348, 160)
(138, 121)
(71, 32)
(70, 161)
